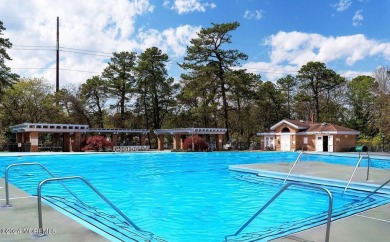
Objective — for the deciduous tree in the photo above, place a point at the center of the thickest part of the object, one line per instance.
(29, 100)
(362, 91)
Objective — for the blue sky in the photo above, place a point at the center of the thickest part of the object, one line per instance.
(279, 36)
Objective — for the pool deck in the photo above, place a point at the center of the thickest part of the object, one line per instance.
(371, 225)
(20, 222)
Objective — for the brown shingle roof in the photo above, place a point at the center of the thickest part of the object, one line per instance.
(328, 127)
(306, 126)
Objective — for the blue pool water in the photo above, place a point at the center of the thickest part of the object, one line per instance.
(187, 196)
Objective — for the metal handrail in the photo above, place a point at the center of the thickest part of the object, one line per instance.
(26, 164)
(296, 161)
(373, 192)
(278, 194)
(354, 170)
(39, 192)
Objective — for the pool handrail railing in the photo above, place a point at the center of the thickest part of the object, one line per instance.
(6, 178)
(296, 161)
(329, 218)
(39, 194)
(357, 165)
(373, 192)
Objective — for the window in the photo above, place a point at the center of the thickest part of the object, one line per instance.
(305, 140)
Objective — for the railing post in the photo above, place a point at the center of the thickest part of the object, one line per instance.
(7, 204)
(368, 165)
(40, 223)
(328, 221)
(39, 192)
(384, 184)
(296, 161)
(26, 164)
(353, 173)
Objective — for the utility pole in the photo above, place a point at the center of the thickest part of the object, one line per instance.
(58, 56)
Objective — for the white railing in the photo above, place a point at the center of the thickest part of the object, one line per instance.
(131, 148)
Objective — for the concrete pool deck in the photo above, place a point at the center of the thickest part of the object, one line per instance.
(20, 222)
(372, 225)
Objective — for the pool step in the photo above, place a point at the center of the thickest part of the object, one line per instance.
(111, 224)
(311, 179)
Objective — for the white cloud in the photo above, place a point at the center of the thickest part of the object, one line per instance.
(290, 50)
(342, 5)
(187, 6)
(166, 3)
(357, 18)
(270, 71)
(256, 14)
(172, 40)
(105, 27)
(299, 48)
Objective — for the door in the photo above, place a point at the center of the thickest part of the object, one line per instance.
(325, 143)
(330, 143)
(319, 146)
(285, 142)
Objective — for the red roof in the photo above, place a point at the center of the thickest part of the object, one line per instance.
(307, 127)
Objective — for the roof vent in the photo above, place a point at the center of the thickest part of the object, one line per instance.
(323, 124)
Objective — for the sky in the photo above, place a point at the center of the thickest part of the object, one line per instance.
(351, 37)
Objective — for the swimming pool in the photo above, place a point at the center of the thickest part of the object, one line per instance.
(188, 196)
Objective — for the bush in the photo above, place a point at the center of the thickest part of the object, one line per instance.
(374, 144)
(97, 143)
(199, 144)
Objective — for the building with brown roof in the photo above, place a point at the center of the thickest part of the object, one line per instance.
(292, 135)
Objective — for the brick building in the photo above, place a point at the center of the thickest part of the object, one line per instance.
(292, 135)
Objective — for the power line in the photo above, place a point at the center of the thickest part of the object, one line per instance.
(50, 46)
(83, 53)
(93, 51)
(63, 69)
(51, 68)
(66, 48)
(32, 49)
(109, 55)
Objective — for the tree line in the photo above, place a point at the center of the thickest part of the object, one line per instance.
(135, 91)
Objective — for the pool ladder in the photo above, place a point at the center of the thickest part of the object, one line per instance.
(357, 165)
(59, 179)
(329, 217)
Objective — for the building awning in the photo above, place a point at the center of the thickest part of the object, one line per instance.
(70, 128)
(49, 128)
(188, 131)
(119, 131)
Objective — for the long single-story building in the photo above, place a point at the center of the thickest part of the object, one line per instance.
(68, 137)
(180, 134)
(293, 135)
